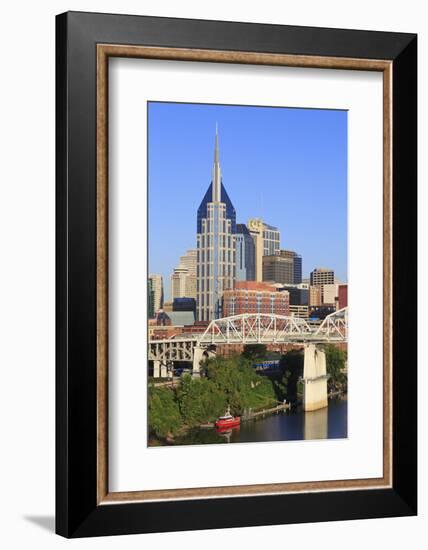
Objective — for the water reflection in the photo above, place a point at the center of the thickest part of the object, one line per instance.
(328, 423)
(316, 424)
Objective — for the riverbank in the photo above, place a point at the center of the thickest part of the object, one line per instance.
(327, 423)
(288, 425)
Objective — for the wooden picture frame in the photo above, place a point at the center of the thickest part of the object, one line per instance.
(85, 42)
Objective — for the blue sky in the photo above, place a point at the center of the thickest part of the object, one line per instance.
(287, 166)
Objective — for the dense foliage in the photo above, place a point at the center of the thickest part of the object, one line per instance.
(336, 362)
(291, 368)
(243, 387)
(164, 414)
(199, 400)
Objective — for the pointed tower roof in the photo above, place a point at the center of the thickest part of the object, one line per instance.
(216, 192)
(216, 179)
(216, 153)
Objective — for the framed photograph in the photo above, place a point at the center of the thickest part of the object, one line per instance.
(236, 244)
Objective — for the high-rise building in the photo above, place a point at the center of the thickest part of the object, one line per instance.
(266, 243)
(322, 276)
(189, 261)
(271, 240)
(245, 254)
(278, 269)
(183, 278)
(297, 269)
(157, 288)
(255, 227)
(179, 279)
(255, 297)
(297, 264)
(216, 228)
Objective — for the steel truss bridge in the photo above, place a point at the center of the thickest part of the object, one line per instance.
(248, 328)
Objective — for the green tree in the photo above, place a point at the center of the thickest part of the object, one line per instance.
(199, 400)
(243, 388)
(164, 414)
(291, 365)
(335, 364)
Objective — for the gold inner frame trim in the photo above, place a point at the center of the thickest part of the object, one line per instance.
(104, 51)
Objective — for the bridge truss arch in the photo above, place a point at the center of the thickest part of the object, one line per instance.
(334, 326)
(255, 328)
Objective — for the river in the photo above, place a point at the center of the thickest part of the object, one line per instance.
(328, 423)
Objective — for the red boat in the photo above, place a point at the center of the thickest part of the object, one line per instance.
(227, 421)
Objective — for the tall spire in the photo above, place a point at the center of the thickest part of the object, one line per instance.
(216, 170)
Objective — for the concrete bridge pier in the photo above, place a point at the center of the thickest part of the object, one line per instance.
(198, 356)
(314, 379)
(160, 370)
(201, 354)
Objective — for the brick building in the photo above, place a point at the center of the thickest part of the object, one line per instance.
(343, 296)
(255, 297)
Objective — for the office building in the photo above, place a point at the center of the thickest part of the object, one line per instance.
(278, 269)
(183, 278)
(297, 271)
(183, 284)
(216, 228)
(297, 264)
(322, 276)
(245, 254)
(156, 286)
(255, 297)
(255, 227)
(271, 240)
(189, 261)
(266, 243)
(178, 282)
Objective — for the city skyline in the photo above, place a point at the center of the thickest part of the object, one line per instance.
(301, 194)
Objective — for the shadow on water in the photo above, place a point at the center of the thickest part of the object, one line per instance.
(328, 423)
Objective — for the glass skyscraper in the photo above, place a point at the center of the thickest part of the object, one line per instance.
(216, 262)
(297, 269)
(245, 254)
